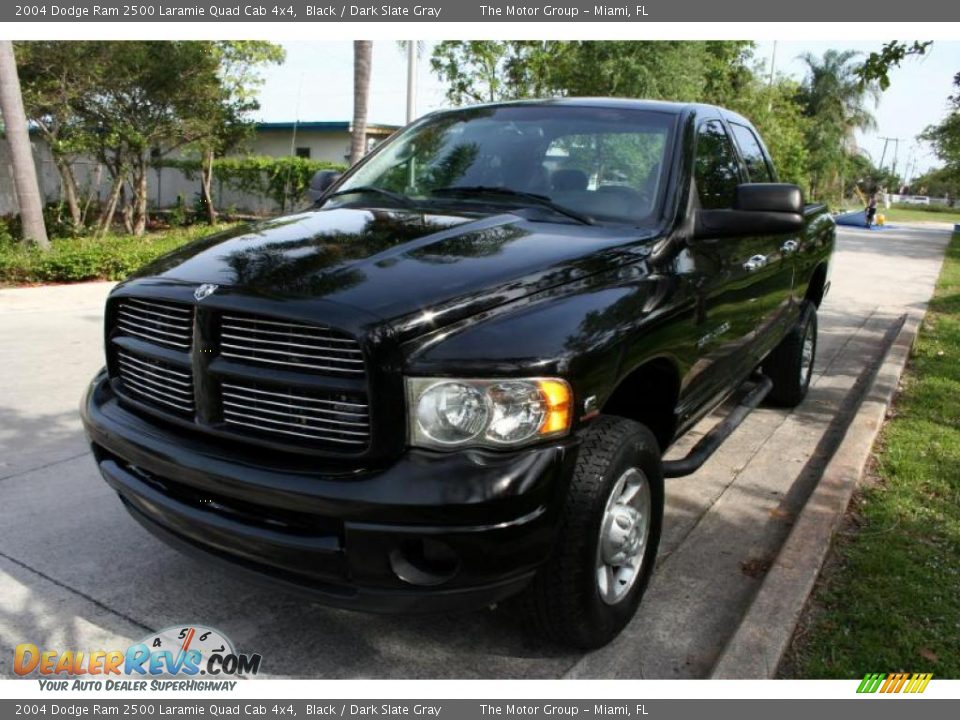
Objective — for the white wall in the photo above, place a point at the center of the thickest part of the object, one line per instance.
(165, 185)
(47, 175)
(332, 147)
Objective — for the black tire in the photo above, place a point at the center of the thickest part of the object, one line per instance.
(564, 601)
(786, 365)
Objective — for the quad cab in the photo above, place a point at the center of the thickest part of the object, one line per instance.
(452, 381)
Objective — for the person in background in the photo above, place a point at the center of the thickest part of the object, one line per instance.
(871, 209)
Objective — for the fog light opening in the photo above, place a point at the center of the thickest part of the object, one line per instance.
(422, 561)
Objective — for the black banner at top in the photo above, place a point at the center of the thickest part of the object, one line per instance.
(475, 11)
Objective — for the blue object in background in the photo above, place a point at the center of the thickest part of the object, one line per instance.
(858, 218)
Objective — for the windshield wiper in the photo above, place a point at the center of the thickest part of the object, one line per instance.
(372, 189)
(534, 198)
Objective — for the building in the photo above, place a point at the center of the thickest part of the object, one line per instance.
(329, 141)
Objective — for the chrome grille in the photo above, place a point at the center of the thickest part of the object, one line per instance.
(297, 412)
(164, 323)
(156, 382)
(295, 345)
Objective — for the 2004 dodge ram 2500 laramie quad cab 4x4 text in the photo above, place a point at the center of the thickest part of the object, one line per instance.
(452, 380)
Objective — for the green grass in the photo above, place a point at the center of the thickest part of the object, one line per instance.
(914, 213)
(890, 600)
(112, 257)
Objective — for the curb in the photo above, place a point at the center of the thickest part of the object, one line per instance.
(758, 644)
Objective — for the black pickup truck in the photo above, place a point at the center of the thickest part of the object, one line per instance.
(452, 380)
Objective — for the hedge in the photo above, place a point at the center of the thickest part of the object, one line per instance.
(284, 180)
(112, 257)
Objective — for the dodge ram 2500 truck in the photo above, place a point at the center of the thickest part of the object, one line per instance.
(453, 379)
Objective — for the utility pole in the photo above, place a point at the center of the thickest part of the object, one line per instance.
(411, 80)
(773, 64)
(908, 170)
(773, 67)
(896, 149)
(21, 154)
(883, 155)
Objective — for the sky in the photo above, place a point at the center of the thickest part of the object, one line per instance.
(316, 83)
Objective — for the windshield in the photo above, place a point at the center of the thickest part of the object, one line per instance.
(598, 163)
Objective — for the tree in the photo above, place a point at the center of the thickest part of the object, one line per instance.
(230, 99)
(143, 112)
(362, 60)
(835, 100)
(487, 71)
(129, 104)
(876, 68)
(473, 70)
(778, 114)
(945, 135)
(860, 172)
(24, 169)
(54, 76)
(939, 182)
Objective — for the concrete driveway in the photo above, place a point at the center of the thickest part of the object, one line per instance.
(77, 573)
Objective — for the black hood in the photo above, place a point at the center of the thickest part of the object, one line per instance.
(396, 264)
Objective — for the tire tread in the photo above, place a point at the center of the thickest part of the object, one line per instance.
(782, 365)
(553, 604)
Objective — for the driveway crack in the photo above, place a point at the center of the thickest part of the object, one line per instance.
(44, 466)
(74, 591)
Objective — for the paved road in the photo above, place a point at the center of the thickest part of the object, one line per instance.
(77, 572)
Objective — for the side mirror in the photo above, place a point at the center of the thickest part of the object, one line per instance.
(321, 182)
(769, 197)
(758, 209)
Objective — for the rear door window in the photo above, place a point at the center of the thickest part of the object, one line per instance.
(752, 153)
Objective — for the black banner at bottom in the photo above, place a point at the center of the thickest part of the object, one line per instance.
(872, 707)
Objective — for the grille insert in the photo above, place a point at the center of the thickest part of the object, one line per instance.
(230, 390)
(297, 412)
(315, 348)
(156, 382)
(163, 323)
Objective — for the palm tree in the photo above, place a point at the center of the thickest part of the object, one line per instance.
(836, 101)
(362, 57)
(832, 92)
(21, 154)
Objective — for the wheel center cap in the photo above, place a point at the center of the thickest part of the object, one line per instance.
(623, 537)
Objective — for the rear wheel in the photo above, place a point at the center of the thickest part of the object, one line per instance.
(790, 365)
(607, 543)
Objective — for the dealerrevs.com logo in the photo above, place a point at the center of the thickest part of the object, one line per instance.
(185, 652)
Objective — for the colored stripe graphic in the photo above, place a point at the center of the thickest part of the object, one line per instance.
(871, 682)
(894, 682)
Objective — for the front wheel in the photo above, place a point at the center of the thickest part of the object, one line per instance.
(607, 543)
(790, 365)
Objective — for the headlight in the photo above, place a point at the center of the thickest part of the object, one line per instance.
(494, 413)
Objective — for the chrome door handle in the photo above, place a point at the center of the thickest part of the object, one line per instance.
(755, 263)
(790, 246)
